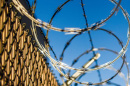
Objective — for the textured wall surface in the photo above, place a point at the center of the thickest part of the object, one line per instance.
(20, 61)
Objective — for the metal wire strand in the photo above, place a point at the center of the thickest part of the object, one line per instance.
(40, 23)
(87, 83)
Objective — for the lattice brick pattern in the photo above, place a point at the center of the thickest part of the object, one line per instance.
(20, 61)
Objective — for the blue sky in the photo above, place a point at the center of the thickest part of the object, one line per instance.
(71, 15)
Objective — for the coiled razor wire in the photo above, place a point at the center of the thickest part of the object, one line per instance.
(93, 49)
(45, 25)
(59, 64)
(89, 82)
(108, 67)
(97, 49)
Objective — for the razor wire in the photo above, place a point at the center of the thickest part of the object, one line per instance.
(88, 83)
(94, 49)
(47, 26)
(128, 33)
(108, 67)
(97, 49)
(59, 64)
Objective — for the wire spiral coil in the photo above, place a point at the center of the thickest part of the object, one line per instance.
(60, 64)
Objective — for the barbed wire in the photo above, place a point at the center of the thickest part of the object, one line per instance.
(45, 25)
(97, 49)
(58, 64)
(94, 49)
(90, 39)
(108, 67)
